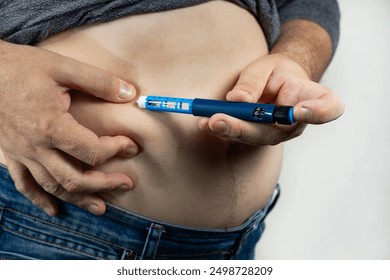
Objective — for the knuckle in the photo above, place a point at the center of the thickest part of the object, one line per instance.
(44, 179)
(247, 85)
(44, 130)
(235, 131)
(52, 187)
(30, 148)
(243, 134)
(59, 135)
(238, 132)
(104, 82)
(45, 127)
(73, 186)
(97, 158)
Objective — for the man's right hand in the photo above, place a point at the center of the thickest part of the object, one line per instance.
(44, 146)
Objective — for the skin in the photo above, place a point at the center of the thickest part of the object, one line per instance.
(42, 157)
(51, 161)
(288, 75)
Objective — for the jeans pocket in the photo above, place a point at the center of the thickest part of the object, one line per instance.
(27, 237)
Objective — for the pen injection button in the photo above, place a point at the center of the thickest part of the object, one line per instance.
(284, 115)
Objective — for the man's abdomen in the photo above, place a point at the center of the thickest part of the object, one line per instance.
(182, 175)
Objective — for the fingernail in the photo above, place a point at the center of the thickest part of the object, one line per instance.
(49, 211)
(124, 188)
(306, 114)
(220, 127)
(129, 152)
(126, 91)
(94, 209)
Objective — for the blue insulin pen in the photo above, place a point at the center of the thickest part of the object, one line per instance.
(253, 112)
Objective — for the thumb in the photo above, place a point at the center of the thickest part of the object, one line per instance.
(251, 82)
(94, 81)
(319, 111)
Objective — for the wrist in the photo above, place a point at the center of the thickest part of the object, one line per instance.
(306, 43)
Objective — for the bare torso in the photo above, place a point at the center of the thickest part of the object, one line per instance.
(182, 175)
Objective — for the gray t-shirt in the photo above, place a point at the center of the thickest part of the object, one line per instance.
(30, 22)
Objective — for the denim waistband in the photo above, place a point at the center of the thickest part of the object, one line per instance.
(113, 225)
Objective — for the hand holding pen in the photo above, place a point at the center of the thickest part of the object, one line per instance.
(285, 84)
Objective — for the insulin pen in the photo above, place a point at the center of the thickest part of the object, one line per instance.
(253, 112)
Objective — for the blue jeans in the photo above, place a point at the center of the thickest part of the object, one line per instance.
(26, 232)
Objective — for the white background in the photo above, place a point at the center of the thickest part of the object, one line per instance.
(335, 201)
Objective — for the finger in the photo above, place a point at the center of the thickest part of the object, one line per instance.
(92, 80)
(285, 90)
(249, 133)
(76, 140)
(27, 186)
(251, 83)
(318, 111)
(130, 151)
(90, 202)
(313, 103)
(69, 174)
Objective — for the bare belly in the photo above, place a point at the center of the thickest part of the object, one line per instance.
(182, 175)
